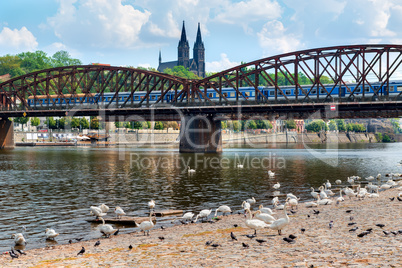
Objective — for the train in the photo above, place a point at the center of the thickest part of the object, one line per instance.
(289, 93)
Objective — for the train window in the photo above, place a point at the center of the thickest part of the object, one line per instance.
(322, 91)
(399, 88)
(246, 94)
(232, 94)
(287, 92)
(272, 93)
(391, 89)
(314, 91)
(210, 95)
(280, 93)
(136, 98)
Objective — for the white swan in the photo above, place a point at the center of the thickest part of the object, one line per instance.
(224, 209)
(292, 202)
(245, 205)
(328, 184)
(151, 204)
(104, 208)
(276, 186)
(50, 233)
(203, 214)
(145, 226)
(311, 204)
(267, 218)
(19, 239)
(325, 201)
(251, 201)
(275, 200)
(349, 192)
(106, 229)
(266, 210)
(369, 178)
(327, 191)
(255, 223)
(189, 170)
(187, 216)
(281, 223)
(270, 173)
(323, 195)
(290, 195)
(374, 195)
(338, 182)
(97, 211)
(350, 180)
(279, 207)
(119, 212)
(313, 193)
(340, 198)
(385, 186)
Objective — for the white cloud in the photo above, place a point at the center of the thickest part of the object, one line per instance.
(98, 23)
(274, 39)
(223, 64)
(17, 40)
(248, 11)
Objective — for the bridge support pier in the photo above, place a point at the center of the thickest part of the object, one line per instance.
(200, 134)
(6, 134)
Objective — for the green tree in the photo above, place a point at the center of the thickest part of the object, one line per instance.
(180, 71)
(35, 121)
(95, 123)
(358, 127)
(250, 124)
(21, 120)
(263, 124)
(349, 127)
(137, 125)
(63, 58)
(316, 126)
(236, 126)
(75, 122)
(62, 123)
(386, 138)
(224, 124)
(332, 125)
(158, 125)
(340, 124)
(34, 61)
(119, 124)
(51, 123)
(291, 124)
(84, 123)
(11, 65)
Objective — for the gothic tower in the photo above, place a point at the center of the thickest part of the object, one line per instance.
(183, 55)
(199, 54)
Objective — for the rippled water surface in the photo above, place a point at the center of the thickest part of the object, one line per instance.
(54, 187)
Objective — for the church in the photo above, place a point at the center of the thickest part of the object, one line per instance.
(196, 64)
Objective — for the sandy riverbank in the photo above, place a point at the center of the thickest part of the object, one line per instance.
(184, 245)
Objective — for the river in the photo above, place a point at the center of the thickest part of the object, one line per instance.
(54, 187)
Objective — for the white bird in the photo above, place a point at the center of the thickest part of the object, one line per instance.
(151, 204)
(265, 217)
(328, 184)
(281, 223)
(349, 192)
(119, 212)
(224, 209)
(385, 186)
(313, 193)
(351, 181)
(311, 204)
(325, 201)
(266, 210)
(255, 223)
(378, 176)
(292, 196)
(270, 173)
(374, 195)
(189, 170)
(338, 181)
(369, 178)
(104, 208)
(50, 233)
(323, 195)
(275, 200)
(251, 201)
(391, 182)
(276, 186)
(106, 229)
(292, 202)
(97, 211)
(327, 191)
(203, 214)
(19, 239)
(340, 198)
(245, 205)
(145, 226)
(187, 216)
(279, 207)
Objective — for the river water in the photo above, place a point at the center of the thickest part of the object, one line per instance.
(54, 187)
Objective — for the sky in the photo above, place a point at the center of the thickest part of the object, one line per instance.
(132, 32)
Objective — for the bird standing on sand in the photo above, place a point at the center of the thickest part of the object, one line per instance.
(260, 241)
(245, 245)
(331, 224)
(233, 236)
(13, 255)
(50, 233)
(82, 251)
(119, 212)
(97, 243)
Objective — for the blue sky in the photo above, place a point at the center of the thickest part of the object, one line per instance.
(131, 32)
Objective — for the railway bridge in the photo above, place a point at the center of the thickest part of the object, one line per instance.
(356, 81)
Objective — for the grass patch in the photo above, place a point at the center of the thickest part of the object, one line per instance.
(147, 245)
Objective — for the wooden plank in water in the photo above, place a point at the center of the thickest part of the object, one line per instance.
(163, 213)
(135, 221)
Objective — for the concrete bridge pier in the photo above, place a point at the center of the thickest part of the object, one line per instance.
(200, 134)
(6, 134)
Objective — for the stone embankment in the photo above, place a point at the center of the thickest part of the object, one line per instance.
(184, 245)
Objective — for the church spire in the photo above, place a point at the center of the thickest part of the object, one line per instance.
(183, 49)
(199, 39)
(183, 39)
(160, 56)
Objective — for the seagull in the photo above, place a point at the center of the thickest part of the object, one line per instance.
(82, 251)
(260, 241)
(233, 236)
(97, 243)
(245, 245)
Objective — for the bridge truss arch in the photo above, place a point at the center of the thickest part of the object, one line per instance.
(361, 65)
(69, 81)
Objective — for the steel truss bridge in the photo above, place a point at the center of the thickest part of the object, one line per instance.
(362, 64)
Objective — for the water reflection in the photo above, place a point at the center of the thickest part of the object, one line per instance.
(54, 187)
